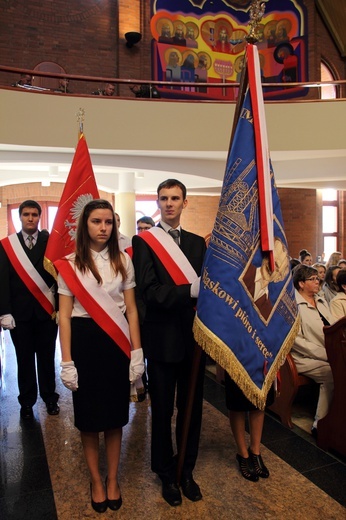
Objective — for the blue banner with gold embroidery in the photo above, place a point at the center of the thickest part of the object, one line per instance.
(246, 311)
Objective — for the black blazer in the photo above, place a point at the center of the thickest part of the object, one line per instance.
(15, 298)
(166, 310)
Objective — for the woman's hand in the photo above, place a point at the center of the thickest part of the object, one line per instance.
(69, 375)
(136, 365)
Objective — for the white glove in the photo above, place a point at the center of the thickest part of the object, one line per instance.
(69, 375)
(136, 365)
(194, 289)
(7, 322)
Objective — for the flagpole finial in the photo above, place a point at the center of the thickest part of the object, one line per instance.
(257, 9)
(80, 119)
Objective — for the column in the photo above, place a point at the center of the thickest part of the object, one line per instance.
(125, 203)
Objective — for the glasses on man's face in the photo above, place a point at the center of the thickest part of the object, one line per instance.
(312, 279)
(145, 228)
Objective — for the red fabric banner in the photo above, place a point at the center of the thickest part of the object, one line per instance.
(79, 189)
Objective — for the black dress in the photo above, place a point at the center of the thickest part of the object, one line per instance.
(101, 401)
(236, 400)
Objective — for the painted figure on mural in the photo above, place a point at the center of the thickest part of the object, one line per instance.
(191, 35)
(179, 35)
(173, 69)
(284, 53)
(222, 43)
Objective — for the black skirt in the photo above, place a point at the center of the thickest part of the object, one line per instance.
(101, 401)
(236, 400)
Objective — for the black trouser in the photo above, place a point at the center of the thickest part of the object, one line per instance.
(38, 338)
(164, 380)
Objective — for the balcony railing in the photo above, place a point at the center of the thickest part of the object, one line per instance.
(191, 91)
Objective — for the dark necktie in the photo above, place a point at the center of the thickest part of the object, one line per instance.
(175, 234)
(30, 242)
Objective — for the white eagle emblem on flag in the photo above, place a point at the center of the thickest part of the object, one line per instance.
(75, 212)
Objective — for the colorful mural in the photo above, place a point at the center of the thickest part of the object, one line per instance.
(204, 42)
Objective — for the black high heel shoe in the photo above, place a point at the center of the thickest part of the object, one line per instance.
(99, 507)
(246, 468)
(115, 504)
(260, 468)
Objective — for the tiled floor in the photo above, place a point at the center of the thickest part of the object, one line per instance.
(43, 474)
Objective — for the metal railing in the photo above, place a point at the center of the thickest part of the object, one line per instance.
(151, 87)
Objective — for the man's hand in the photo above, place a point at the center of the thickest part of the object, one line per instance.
(7, 322)
(194, 289)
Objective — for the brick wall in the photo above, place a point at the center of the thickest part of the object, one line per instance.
(302, 216)
(199, 215)
(87, 38)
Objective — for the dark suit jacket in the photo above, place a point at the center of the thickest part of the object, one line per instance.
(15, 298)
(167, 310)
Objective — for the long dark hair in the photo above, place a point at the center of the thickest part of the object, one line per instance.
(84, 260)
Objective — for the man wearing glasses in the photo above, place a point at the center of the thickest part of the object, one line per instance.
(144, 223)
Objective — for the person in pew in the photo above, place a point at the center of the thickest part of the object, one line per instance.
(334, 259)
(330, 287)
(305, 257)
(100, 343)
(321, 273)
(338, 303)
(308, 351)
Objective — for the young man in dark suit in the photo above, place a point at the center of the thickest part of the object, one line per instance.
(27, 309)
(168, 307)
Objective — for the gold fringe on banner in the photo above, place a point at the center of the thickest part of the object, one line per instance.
(49, 267)
(224, 357)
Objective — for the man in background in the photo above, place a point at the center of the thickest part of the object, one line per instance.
(109, 90)
(124, 241)
(144, 223)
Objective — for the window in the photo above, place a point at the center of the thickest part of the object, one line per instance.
(330, 216)
(329, 91)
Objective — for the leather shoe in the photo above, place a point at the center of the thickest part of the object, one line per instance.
(171, 493)
(113, 503)
(53, 408)
(26, 412)
(191, 489)
(314, 432)
(99, 507)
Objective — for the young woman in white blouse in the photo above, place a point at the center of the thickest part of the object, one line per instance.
(100, 342)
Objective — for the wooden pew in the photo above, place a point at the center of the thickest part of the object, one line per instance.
(290, 383)
(332, 428)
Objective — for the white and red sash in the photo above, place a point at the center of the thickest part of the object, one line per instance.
(170, 254)
(98, 304)
(28, 274)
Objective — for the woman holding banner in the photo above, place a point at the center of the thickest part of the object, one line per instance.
(250, 461)
(100, 342)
